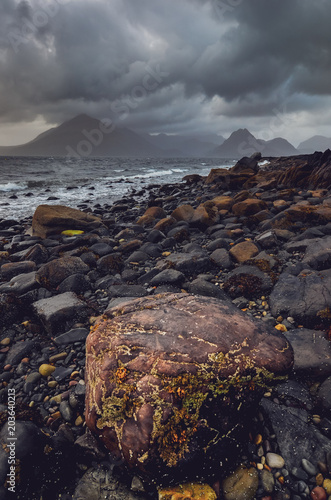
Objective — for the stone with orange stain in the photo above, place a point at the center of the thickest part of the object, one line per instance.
(190, 491)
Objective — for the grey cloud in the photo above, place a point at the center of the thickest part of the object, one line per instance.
(85, 55)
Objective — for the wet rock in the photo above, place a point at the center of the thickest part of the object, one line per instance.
(76, 283)
(312, 352)
(318, 253)
(242, 252)
(221, 258)
(19, 351)
(188, 263)
(38, 254)
(50, 275)
(53, 219)
(146, 392)
(241, 485)
(8, 271)
(168, 276)
(297, 438)
(324, 394)
(248, 207)
(56, 311)
(189, 491)
(74, 335)
(202, 287)
(183, 212)
(99, 483)
(305, 297)
(20, 284)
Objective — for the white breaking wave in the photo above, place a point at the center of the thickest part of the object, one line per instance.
(160, 173)
(12, 186)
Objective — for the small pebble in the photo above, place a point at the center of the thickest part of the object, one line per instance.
(258, 439)
(46, 370)
(327, 486)
(319, 479)
(52, 383)
(57, 357)
(318, 493)
(5, 341)
(79, 421)
(275, 461)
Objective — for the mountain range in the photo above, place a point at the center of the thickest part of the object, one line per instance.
(315, 143)
(84, 136)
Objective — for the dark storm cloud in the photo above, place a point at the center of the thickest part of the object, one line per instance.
(162, 63)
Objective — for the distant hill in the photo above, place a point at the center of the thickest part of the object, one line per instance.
(243, 143)
(85, 136)
(186, 145)
(315, 143)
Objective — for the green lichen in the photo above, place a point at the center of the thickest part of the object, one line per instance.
(186, 396)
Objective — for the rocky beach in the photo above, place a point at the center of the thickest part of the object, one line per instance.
(175, 345)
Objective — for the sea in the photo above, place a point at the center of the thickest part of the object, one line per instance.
(26, 182)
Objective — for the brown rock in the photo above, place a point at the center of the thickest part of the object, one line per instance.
(244, 251)
(250, 206)
(183, 212)
(50, 275)
(191, 491)
(205, 215)
(241, 485)
(158, 370)
(165, 224)
(151, 215)
(53, 219)
(223, 202)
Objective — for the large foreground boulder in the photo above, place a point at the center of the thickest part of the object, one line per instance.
(171, 379)
(53, 219)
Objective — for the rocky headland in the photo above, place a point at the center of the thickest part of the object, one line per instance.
(172, 347)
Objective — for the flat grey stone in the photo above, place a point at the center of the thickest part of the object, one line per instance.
(74, 335)
(312, 352)
(20, 284)
(304, 297)
(297, 438)
(55, 311)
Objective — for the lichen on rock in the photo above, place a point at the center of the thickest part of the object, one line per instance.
(171, 378)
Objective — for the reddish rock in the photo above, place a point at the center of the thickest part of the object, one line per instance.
(250, 206)
(244, 251)
(159, 369)
(318, 493)
(53, 219)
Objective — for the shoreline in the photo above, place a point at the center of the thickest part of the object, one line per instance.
(251, 236)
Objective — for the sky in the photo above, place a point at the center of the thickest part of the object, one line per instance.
(167, 66)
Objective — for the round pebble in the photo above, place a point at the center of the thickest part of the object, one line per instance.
(52, 384)
(46, 370)
(5, 341)
(327, 486)
(275, 461)
(318, 493)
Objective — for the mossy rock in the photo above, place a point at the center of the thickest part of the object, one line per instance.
(172, 379)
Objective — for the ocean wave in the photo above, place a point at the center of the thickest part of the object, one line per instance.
(159, 173)
(12, 186)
